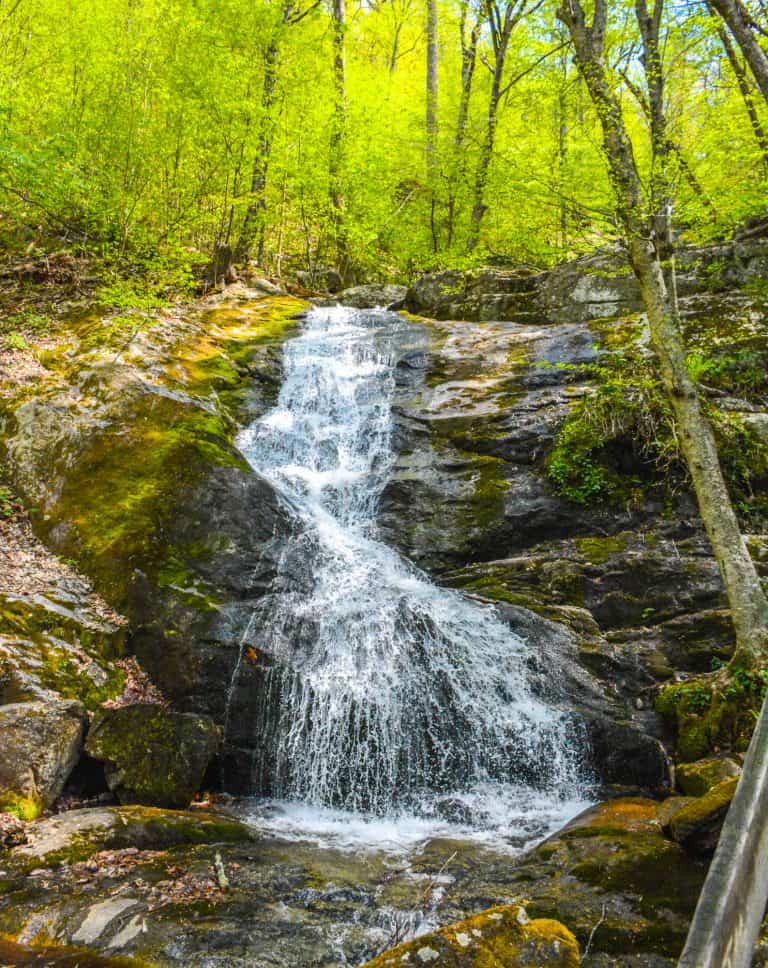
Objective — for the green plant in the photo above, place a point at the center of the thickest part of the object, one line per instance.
(16, 341)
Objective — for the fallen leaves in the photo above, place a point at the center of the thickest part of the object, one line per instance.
(12, 832)
(138, 687)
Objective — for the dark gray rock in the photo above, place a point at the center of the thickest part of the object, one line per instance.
(151, 755)
(373, 296)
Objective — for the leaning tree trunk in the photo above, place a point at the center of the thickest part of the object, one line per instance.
(732, 902)
(746, 93)
(749, 605)
(735, 14)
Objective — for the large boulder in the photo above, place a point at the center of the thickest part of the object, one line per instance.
(128, 452)
(42, 742)
(502, 935)
(698, 823)
(152, 755)
(607, 877)
(373, 296)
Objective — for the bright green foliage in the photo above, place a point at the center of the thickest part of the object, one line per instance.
(129, 128)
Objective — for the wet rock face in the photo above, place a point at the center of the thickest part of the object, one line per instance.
(41, 743)
(152, 755)
(472, 435)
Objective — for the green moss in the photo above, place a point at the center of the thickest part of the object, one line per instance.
(696, 779)
(712, 712)
(599, 550)
(25, 808)
(702, 810)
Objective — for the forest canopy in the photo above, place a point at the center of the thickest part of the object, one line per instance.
(396, 134)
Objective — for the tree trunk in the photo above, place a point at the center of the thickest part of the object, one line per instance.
(732, 903)
(735, 14)
(746, 92)
(500, 34)
(253, 224)
(661, 190)
(432, 122)
(749, 605)
(338, 139)
(468, 64)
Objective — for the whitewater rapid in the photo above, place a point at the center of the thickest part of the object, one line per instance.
(393, 709)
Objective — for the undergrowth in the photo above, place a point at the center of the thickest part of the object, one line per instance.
(619, 442)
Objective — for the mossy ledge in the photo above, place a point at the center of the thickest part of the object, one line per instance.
(127, 452)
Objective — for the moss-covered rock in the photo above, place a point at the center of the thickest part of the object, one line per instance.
(41, 744)
(152, 755)
(612, 876)
(77, 834)
(697, 825)
(127, 451)
(712, 713)
(57, 649)
(696, 779)
(503, 936)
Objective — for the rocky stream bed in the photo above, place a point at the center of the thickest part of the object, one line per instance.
(116, 691)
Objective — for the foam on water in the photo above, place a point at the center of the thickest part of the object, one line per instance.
(387, 697)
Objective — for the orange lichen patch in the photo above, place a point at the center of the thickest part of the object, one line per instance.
(630, 814)
(500, 936)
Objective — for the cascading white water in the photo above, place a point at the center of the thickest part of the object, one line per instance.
(385, 692)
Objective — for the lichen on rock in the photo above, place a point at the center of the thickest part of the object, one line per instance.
(503, 936)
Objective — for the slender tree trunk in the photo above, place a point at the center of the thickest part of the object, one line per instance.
(501, 31)
(749, 605)
(649, 23)
(432, 121)
(253, 224)
(732, 902)
(746, 93)
(338, 139)
(469, 41)
(735, 14)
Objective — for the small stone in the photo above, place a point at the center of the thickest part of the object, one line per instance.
(428, 954)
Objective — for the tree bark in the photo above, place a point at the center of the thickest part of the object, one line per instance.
(253, 224)
(501, 31)
(432, 120)
(649, 23)
(469, 41)
(735, 14)
(338, 139)
(749, 606)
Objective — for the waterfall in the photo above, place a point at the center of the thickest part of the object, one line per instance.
(384, 691)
